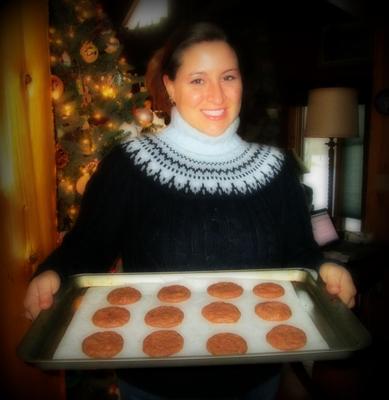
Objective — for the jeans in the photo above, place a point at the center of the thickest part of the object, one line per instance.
(267, 390)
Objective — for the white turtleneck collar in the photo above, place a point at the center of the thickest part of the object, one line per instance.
(183, 136)
(188, 160)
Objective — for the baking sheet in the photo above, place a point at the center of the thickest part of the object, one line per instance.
(195, 328)
(333, 330)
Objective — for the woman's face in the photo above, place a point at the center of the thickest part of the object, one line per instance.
(207, 89)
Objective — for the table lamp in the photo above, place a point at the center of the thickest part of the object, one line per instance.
(332, 113)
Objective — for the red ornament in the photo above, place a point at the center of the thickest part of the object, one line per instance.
(61, 157)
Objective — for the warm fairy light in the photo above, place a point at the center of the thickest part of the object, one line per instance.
(72, 211)
(86, 14)
(53, 59)
(67, 110)
(59, 42)
(97, 87)
(97, 115)
(52, 30)
(108, 91)
(122, 60)
(87, 78)
(67, 185)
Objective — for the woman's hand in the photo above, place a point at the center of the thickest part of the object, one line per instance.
(40, 293)
(339, 282)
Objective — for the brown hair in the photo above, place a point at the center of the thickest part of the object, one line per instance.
(168, 59)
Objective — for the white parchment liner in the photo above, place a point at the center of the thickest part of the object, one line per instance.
(195, 328)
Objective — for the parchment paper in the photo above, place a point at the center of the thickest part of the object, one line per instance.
(195, 328)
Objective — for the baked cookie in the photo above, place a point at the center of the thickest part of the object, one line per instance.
(123, 296)
(220, 312)
(268, 290)
(111, 317)
(174, 294)
(225, 290)
(163, 343)
(273, 311)
(286, 337)
(226, 344)
(164, 317)
(102, 344)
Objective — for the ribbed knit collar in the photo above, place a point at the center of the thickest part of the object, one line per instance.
(182, 136)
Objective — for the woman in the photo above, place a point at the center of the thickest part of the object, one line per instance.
(193, 197)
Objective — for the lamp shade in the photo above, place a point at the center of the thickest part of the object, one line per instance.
(332, 113)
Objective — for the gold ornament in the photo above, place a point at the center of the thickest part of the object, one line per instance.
(81, 183)
(89, 52)
(57, 87)
(143, 117)
(112, 45)
(86, 143)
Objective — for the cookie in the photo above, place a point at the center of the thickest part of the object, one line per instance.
(273, 311)
(111, 317)
(286, 337)
(174, 294)
(163, 343)
(220, 312)
(225, 290)
(102, 344)
(123, 296)
(164, 317)
(226, 344)
(268, 290)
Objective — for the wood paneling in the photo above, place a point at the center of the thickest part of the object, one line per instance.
(376, 218)
(27, 187)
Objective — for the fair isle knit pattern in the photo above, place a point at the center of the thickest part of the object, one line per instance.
(183, 158)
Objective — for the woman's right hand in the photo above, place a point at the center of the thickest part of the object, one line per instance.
(40, 293)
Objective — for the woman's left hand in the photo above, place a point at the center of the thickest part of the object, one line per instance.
(339, 282)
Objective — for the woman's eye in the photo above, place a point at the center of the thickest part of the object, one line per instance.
(197, 81)
(229, 77)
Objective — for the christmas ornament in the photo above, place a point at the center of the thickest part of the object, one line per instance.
(85, 125)
(86, 143)
(89, 52)
(65, 59)
(91, 167)
(144, 117)
(61, 157)
(112, 45)
(57, 87)
(130, 130)
(98, 119)
(81, 183)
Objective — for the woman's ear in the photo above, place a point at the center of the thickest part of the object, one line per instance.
(169, 86)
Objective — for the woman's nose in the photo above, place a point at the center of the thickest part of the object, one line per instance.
(215, 93)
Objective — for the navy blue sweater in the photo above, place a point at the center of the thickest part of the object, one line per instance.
(182, 201)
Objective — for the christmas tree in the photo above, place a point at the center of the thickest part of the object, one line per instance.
(98, 98)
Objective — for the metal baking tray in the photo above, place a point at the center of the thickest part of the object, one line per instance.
(338, 326)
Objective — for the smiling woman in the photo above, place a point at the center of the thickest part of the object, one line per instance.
(194, 196)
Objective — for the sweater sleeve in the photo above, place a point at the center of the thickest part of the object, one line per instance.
(93, 244)
(300, 248)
